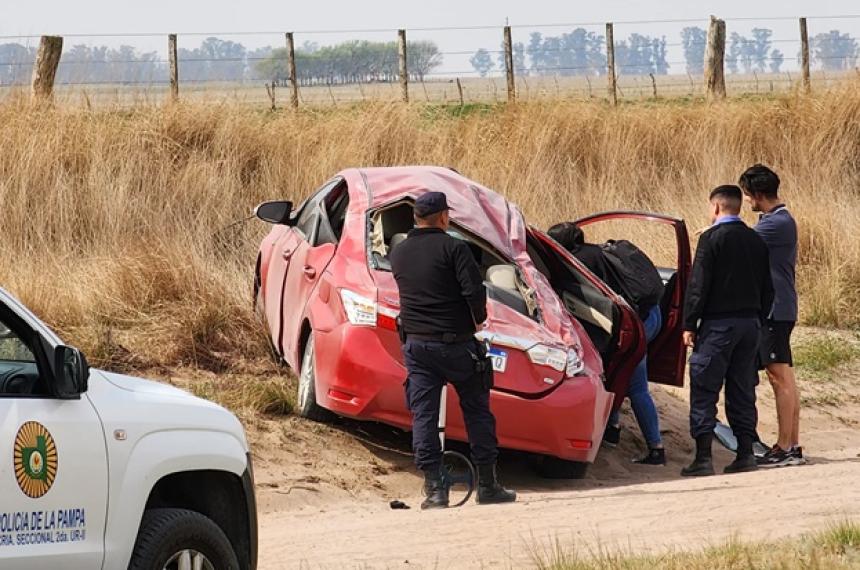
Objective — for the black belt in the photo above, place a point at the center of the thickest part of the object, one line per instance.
(447, 338)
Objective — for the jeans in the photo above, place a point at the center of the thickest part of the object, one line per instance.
(640, 399)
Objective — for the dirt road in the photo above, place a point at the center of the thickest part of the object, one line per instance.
(645, 517)
(323, 492)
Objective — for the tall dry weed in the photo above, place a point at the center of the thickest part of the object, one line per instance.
(117, 224)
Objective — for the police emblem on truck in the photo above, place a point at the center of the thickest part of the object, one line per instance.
(35, 459)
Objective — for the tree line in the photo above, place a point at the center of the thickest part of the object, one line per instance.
(582, 52)
(222, 60)
(578, 52)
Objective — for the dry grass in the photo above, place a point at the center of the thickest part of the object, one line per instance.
(835, 549)
(113, 222)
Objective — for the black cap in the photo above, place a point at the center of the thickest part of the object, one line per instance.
(430, 203)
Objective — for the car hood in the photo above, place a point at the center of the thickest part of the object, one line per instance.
(133, 384)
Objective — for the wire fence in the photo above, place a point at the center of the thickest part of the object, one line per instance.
(458, 64)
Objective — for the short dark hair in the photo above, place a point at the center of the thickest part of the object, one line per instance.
(728, 196)
(429, 219)
(567, 234)
(759, 179)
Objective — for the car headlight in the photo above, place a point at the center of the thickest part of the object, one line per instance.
(359, 310)
(575, 364)
(544, 355)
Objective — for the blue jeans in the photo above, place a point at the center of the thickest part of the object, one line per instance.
(637, 391)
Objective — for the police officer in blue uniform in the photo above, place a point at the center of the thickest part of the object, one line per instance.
(442, 301)
(729, 296)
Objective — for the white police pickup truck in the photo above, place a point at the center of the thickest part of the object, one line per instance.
(99, 470)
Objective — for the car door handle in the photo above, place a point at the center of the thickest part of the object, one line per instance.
(287, 254)
(309, 271)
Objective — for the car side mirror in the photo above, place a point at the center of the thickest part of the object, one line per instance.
(275, 212)
(71, 372)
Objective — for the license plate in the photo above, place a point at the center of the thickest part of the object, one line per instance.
(499, 359)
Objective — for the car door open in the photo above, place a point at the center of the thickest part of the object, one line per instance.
(666, 353)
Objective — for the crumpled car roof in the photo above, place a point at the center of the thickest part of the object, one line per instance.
(478, 209)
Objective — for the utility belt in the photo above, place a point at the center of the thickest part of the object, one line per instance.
(447, 338)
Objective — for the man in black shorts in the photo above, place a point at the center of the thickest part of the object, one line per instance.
(777, 228)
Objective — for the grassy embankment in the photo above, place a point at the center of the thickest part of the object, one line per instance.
(117, 225)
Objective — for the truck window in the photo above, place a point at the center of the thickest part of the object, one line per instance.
(19, 371)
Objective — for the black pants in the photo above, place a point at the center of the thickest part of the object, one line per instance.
(726, 349)
(429, 365)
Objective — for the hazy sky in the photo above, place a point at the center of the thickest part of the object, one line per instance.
(66, 17)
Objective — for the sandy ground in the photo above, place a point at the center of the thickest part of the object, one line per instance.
(323, 493)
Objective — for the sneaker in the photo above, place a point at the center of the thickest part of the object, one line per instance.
(778, 457)
(654, 457)
(611, 436)
(796, 453)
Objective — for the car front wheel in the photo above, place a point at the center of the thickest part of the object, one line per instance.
(179, 539)
(306, 398)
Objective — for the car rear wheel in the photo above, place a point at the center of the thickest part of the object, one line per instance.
(179, 539)
(554, 468)
(306, 397)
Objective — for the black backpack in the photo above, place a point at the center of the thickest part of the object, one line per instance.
(640, 282)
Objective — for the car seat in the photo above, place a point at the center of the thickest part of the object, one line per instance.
(396, 240)
(501, 283)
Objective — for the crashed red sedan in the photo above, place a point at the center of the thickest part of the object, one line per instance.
(563, 343)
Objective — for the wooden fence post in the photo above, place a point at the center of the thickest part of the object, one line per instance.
(715, 79)
(404, 79)
(294, 84)
(460, 91)
(610, 64)
(804, 55)
(174, 67)
(509, 65)
(45, 67)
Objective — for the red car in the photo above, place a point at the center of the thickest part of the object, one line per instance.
(562, 341)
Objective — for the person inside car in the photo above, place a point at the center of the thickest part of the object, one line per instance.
(591, 255)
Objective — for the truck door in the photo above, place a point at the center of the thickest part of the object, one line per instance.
(53, 463)
(666, 353)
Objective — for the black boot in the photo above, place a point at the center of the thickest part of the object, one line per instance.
(702, 464)
(744, 460)
(489, 489)
(435, 490)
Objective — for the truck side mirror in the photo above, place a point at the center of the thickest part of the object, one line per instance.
(275, 212)
(71, 372)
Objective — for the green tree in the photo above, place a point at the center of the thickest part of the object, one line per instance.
(482, 62)
(694, 41)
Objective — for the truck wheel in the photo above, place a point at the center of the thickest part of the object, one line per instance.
(179, 539)
(306, 397)
(554, 468)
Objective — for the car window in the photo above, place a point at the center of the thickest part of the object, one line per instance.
(308, 214)
(332, 216)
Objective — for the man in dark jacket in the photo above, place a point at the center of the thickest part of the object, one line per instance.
(729, 296)
(442, 300)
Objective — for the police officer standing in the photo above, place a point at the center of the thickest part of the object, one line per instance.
(729, 296)
(442, 300)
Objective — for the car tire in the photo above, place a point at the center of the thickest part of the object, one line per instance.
(168, 535)
(306, 389)
(554, 468)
